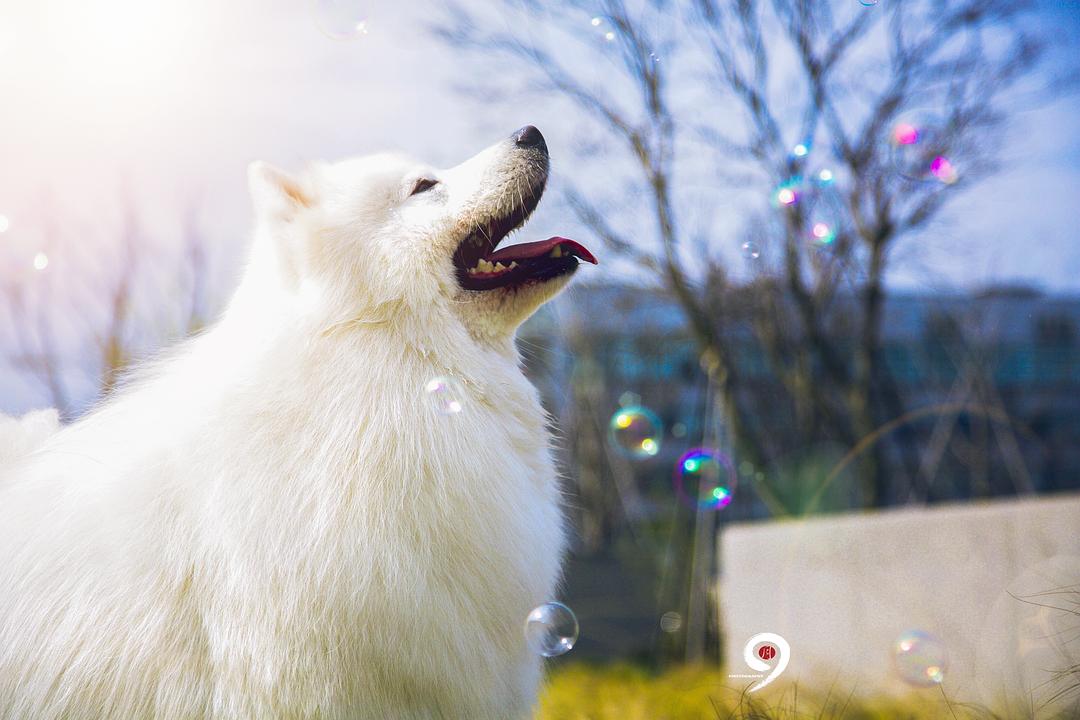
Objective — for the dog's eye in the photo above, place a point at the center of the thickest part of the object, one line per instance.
(423, 185)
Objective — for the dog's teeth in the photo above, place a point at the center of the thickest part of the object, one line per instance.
(500, 267)
(557, 252)
(513, 264)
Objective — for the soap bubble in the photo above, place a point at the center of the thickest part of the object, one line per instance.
(41, 261)
(800, 150)
(919, 658)
(823, 232)
(636, 431)
(943, 170)
(750, 250)
(342, 19)
(670, 622)
(604, 27)
(551, 629)
(788, 192)
(823, 218)
(916, 149)
(825, 176)
(705, 478)
(446, 395)
(4, 223)
(868, 3)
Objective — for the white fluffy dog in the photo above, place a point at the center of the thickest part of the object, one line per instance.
(275, 521)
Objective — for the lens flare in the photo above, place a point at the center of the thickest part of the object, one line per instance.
(705, 478)
(551, 629)
(636, 431)
(919, 658)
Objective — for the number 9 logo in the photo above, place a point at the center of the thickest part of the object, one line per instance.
(755, 659)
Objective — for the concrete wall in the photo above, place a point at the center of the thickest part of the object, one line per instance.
(840, 589)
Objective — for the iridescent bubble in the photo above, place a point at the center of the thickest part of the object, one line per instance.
(445, 394)
(670, 622)
(916, 149)
(41, 261)
(629, 398)
(905, 134)
(868, 3)
(636, 431)
(603, 26)
(943, 170)
(551, 629)
(919, 658)
(678, 430)
(824, 211)
(825, 176)
(4, 223)
(823, 232)
(705, 478)
(750, 250)
(342, 19)
(788, 192)
(800, 150)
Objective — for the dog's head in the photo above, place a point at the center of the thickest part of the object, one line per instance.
(388, 234)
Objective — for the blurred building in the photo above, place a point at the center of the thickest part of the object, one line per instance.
(990, 380)
(989, 406)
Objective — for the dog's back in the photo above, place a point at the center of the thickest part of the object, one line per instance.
(20, 436)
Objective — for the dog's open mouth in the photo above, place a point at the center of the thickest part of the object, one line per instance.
(481, 267)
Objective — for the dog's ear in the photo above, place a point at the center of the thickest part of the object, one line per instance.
(276, 194)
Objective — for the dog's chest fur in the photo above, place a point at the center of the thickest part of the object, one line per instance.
(314, 541)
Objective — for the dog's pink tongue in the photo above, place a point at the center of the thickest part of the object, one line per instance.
(527, 251)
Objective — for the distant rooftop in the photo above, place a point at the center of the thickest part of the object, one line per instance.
(1006, 313)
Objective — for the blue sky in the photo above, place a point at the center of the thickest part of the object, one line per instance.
(169, 101)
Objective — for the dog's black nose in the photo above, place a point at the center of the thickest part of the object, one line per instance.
(530, 137)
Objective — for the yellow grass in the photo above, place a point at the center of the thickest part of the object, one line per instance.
(621, 692)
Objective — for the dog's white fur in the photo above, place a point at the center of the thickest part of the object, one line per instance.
(272, 522)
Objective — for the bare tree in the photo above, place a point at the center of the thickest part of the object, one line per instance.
(861, 123)
(102, 331)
